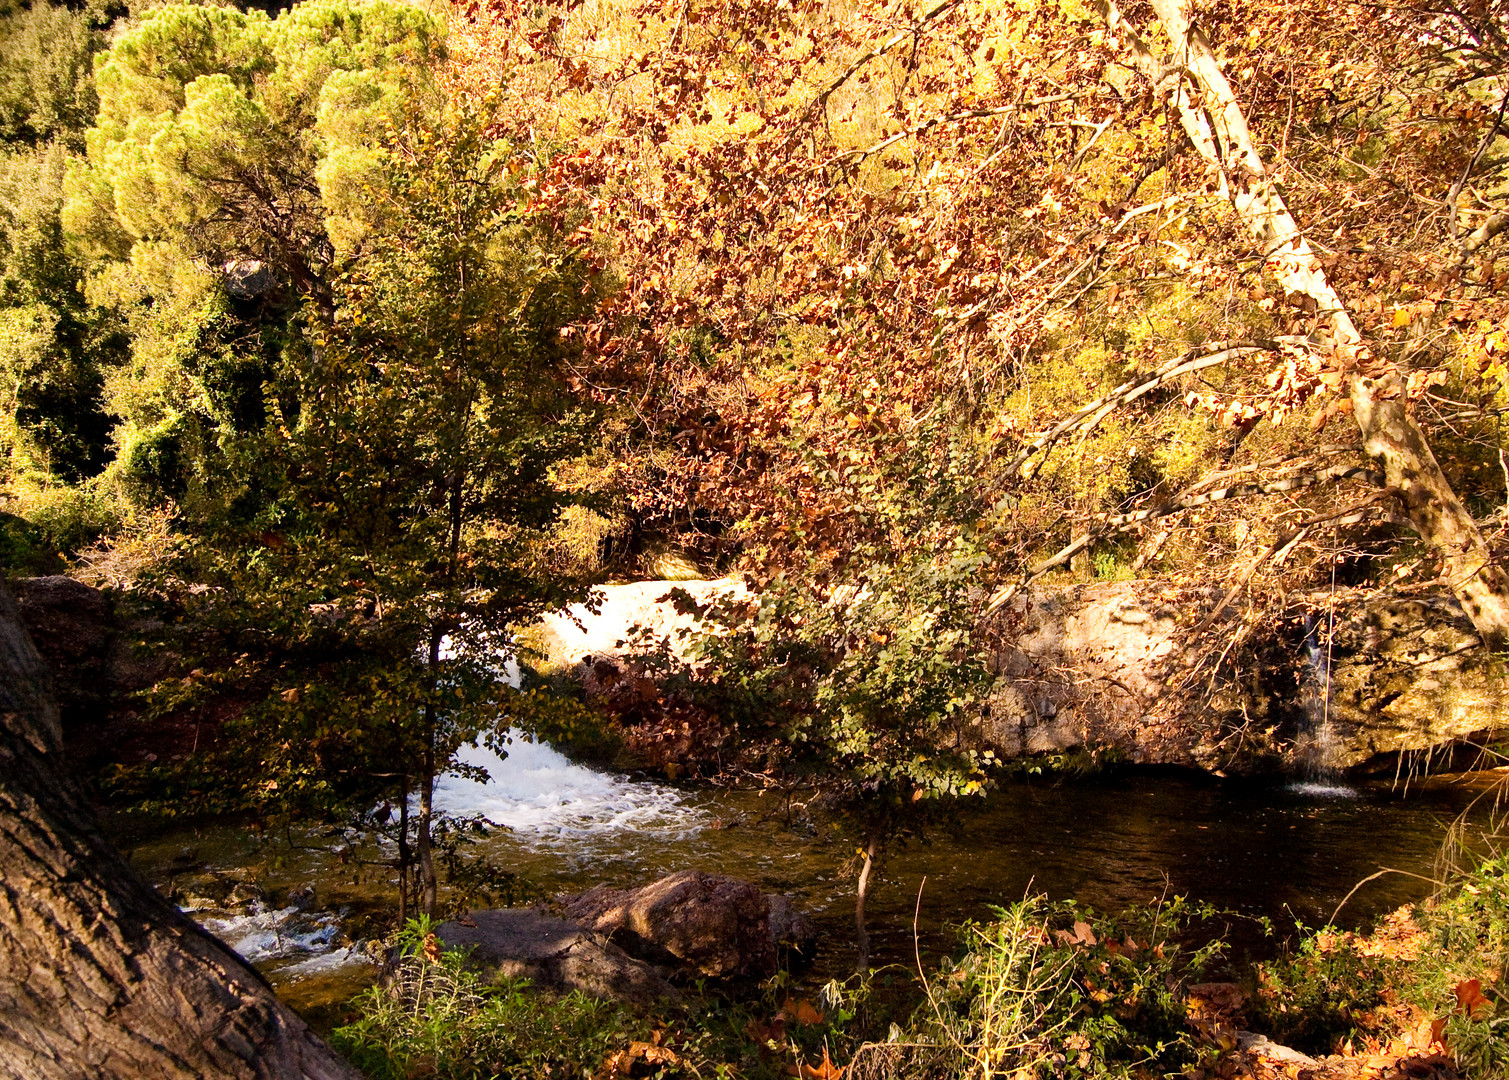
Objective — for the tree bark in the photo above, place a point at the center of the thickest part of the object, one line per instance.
(100, 977)
(1218, 129)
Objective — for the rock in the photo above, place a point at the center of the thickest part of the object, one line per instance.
(636, 617)
(246, 279)
(1264, 1047)
(555, 954)
(721, 926)
(73, 627)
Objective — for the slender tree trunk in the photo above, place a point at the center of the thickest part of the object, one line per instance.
(872, 851)
(1218, 128)
(428, 887)
(100, 977)
(405, 857)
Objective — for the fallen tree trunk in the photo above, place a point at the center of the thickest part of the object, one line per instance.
(100, 976)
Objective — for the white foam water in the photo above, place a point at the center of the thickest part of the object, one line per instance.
(544, 797)
(276, 933)
(325, 963)
(1319, 789)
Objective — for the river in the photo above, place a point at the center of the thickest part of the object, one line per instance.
(1283, 852)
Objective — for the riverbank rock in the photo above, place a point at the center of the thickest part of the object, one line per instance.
(1321, 682)
(720, 926)
(1149, 670)
(554, 954)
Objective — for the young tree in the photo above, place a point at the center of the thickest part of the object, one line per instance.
(391, 530)
(865, 695)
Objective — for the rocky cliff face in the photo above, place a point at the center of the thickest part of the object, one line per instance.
(1136, 667)
(1123, 665)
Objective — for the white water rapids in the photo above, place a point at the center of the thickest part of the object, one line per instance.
(542, 797)
(545, 798)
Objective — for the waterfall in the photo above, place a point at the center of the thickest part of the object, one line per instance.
(1317, 745)
(545, 798)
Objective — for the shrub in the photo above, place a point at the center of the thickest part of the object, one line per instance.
(435, 1017)
(1052, 990)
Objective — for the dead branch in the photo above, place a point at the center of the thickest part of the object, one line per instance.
(1090, 416)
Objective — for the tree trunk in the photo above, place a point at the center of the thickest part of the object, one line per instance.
(100, 977)
(405, 863)
(428, 887)
(1218, 128)
(872, 850)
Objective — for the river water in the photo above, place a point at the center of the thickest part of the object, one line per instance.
(1283, 852)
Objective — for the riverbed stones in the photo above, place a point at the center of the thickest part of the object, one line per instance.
(554, 954)
(719, 926)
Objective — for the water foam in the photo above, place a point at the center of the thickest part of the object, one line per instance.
(276, 933)
(1319, 789)
(544, 797)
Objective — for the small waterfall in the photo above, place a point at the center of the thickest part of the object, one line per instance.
(546, 799)
(1318, 745)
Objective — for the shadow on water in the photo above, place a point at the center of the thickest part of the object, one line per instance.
(1260, 850)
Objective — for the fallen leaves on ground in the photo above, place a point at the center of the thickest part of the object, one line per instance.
(824, 1071)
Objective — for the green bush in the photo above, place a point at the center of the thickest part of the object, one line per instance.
(1314, 998)
(57, 521)
(436, 1017)
(24, 550)
(1052, 990)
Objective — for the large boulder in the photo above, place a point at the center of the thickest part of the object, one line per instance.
(555, 954)
(1114, 665)
(73, 626)
(720, 926)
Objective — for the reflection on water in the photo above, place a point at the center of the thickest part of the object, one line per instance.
(1283, 853)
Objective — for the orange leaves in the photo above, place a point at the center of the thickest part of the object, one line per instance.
(1472, 1001)
(1081, 934)
(826, 1070)
(803, 1012)
(622, 1062)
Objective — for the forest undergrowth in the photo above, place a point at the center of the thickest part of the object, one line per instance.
(1045, 989)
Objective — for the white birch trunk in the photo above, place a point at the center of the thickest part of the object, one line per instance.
(1213, 119)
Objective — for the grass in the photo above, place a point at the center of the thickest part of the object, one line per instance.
(1043, 991)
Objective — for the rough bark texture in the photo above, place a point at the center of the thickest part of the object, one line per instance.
(100, 977)
(1218, 128)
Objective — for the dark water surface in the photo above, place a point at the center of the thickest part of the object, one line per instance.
(1259, 850)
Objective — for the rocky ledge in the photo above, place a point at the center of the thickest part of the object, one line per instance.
(1162, 674)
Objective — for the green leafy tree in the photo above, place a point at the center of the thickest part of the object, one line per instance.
(868, 691)
(214, 210)
(389, 527)
(46, 88)
(54, 347)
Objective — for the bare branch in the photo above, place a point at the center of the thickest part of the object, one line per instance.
(1091, 415)
(1109, 525)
